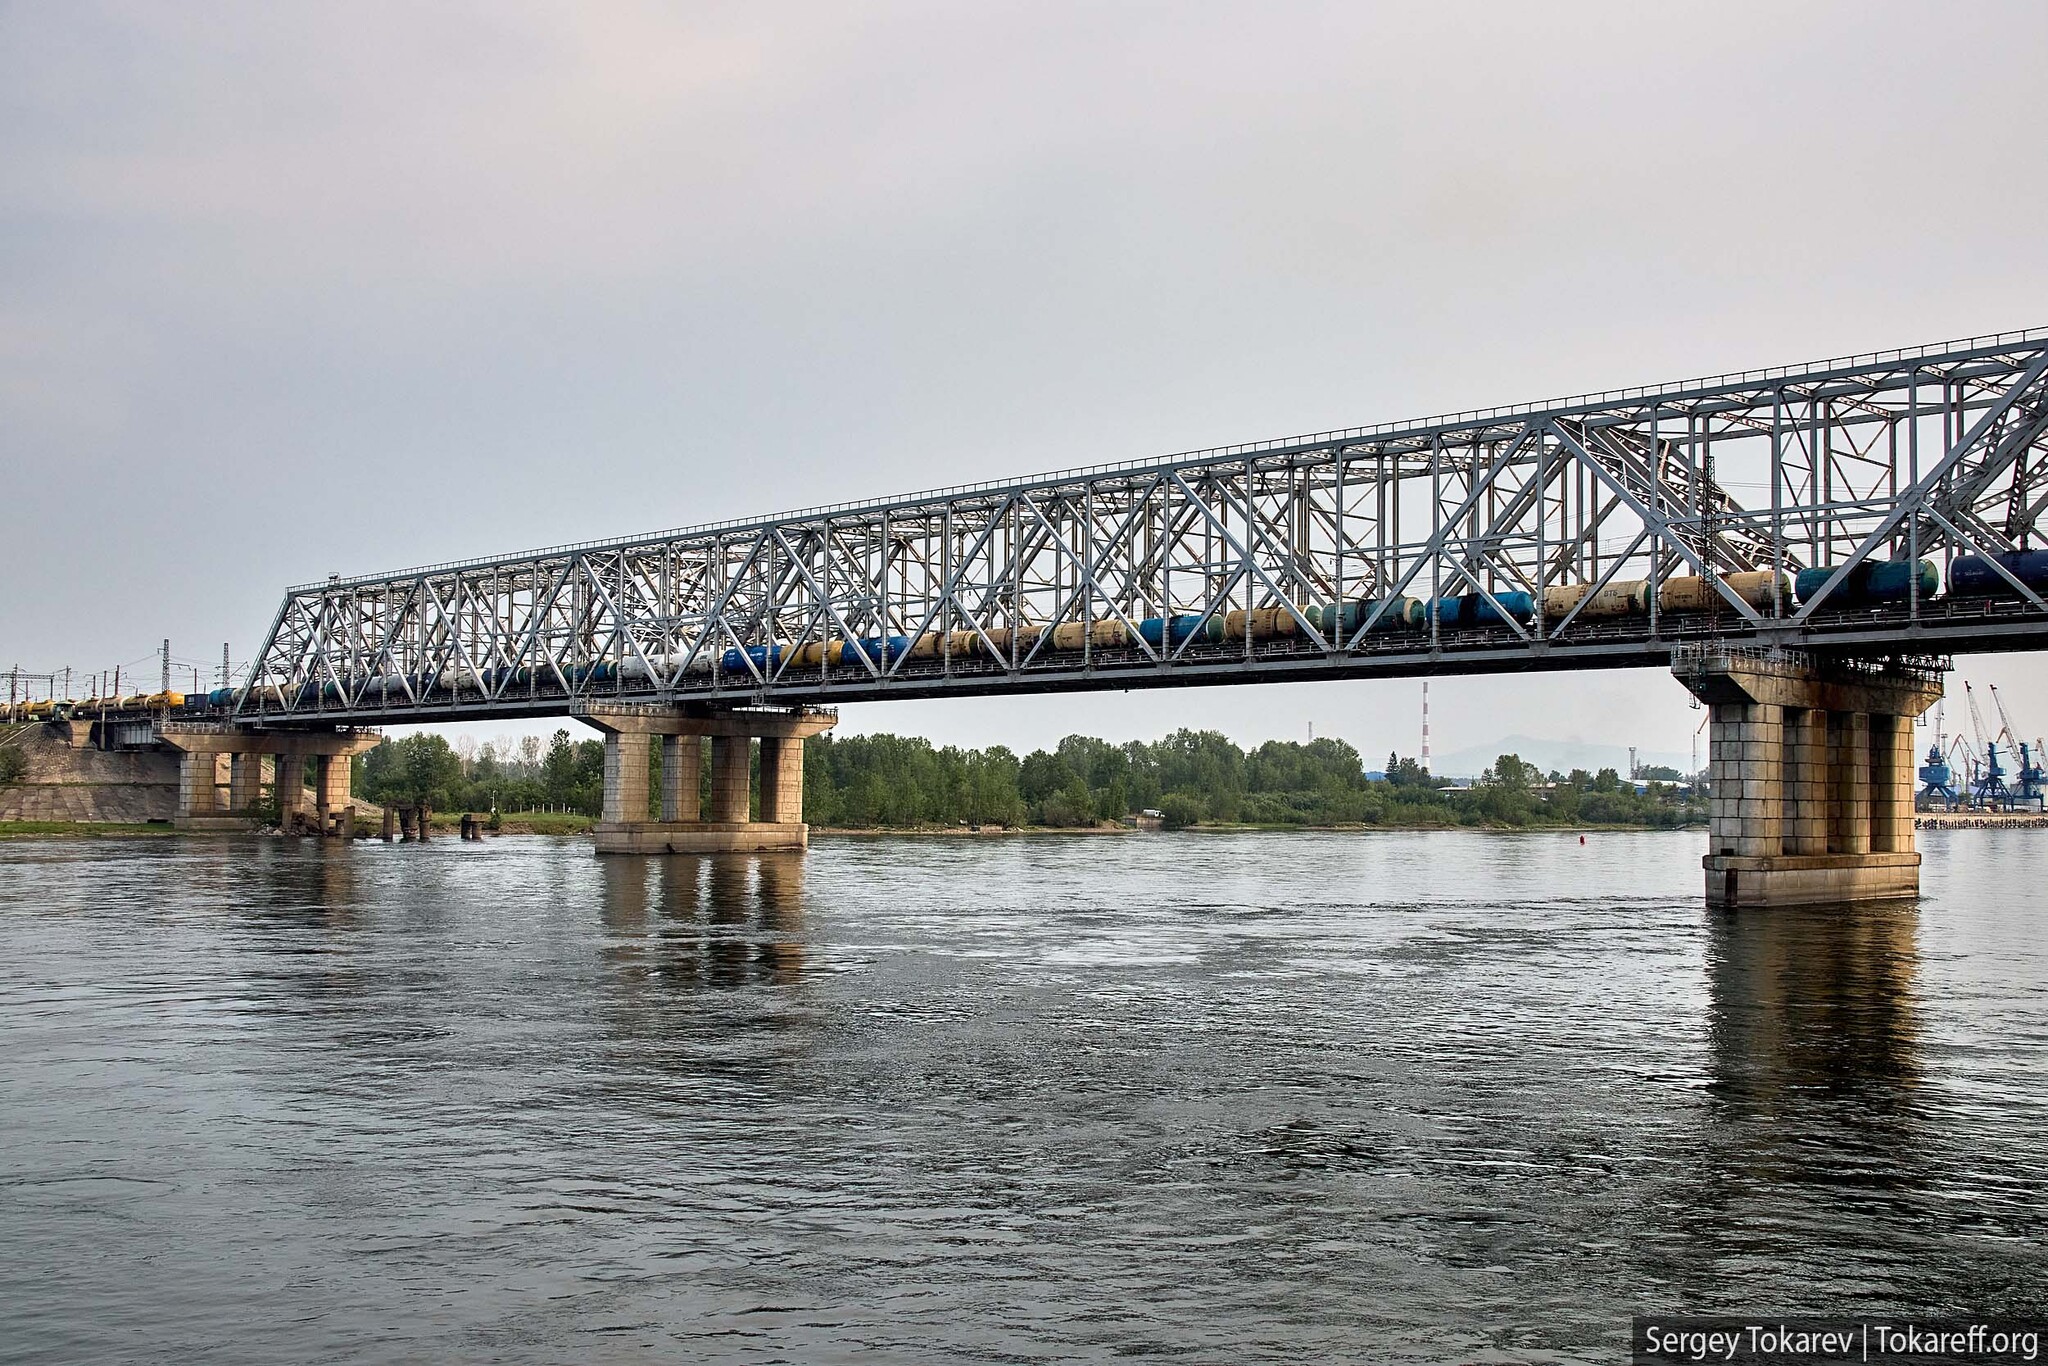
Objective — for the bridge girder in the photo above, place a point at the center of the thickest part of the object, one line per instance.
(1933, 452)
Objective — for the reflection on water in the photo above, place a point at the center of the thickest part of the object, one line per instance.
(1422, 1097)
(1815, 999)
(722, 919)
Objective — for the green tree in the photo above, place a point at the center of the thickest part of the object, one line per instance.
(1511, 773)
(1042, 775)
(558, 770)
(1180, 810)
(429, 771)
(1071, 805)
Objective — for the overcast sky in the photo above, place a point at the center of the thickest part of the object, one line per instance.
(288, 289)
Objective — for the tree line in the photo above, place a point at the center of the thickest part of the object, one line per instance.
(1189, 778)
(565, 774)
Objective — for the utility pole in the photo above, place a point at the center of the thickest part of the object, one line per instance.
(167, 667)
(223, 663)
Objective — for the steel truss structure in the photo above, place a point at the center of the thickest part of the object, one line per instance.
(1933, 452)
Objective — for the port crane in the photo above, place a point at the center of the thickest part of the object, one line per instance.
(1988, 790)
(1937, 779)
(2028, 791)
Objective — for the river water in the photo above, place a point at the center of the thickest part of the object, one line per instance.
(1222, 1098)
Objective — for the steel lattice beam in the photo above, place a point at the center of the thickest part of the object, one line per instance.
(1934, 452)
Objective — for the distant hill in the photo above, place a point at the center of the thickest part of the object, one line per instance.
(1560, 755)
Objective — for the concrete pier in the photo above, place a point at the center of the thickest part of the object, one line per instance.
(204, 747)
(1812, 770)
(685, 825)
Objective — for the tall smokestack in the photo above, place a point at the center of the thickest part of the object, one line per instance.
(1425, 723)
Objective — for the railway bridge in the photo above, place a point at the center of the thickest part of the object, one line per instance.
(1805, 546)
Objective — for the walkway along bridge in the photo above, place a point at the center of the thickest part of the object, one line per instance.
(1804, 544)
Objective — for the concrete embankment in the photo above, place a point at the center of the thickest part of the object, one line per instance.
(65, 781)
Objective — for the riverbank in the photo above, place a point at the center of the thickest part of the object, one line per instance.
(23, 830)
(962, 831)
(555, 823)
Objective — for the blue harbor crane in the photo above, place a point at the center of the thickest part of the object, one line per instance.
(1937, 779)
(2027, 790)
(1988, 790)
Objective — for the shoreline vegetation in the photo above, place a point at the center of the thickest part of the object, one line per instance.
(558, 824)
(1188, 780)
(869, 785)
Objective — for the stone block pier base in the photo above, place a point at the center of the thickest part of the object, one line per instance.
(684, 825)
(1811, 764)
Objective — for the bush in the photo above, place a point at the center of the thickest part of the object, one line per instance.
(1181, 810)
(13, 766)
(1071, 805)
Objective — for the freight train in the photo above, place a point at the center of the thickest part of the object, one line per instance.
(65, 708)
(1872, 584)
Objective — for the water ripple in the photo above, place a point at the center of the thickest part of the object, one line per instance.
(1400, 1097)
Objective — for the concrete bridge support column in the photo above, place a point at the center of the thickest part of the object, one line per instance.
(782, 780)
(338, 782)
(1849, 783)
(1806, 781)
(245, 781)
(728, 825)
(198, 786)
(625, 777)
(1745, 749)
(682, 794)
(1892, 778)
(323, 810)
(291, 791)
(732, 779)
(334, 794)
(1812, 772)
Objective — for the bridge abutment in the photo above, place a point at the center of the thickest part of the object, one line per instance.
(1812, 771)
(687, 824)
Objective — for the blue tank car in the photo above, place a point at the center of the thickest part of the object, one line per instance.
(763, 657)
(1166, 632)
(880, 650)
(1520, 607)
(1873, 581)
(1974, 576)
